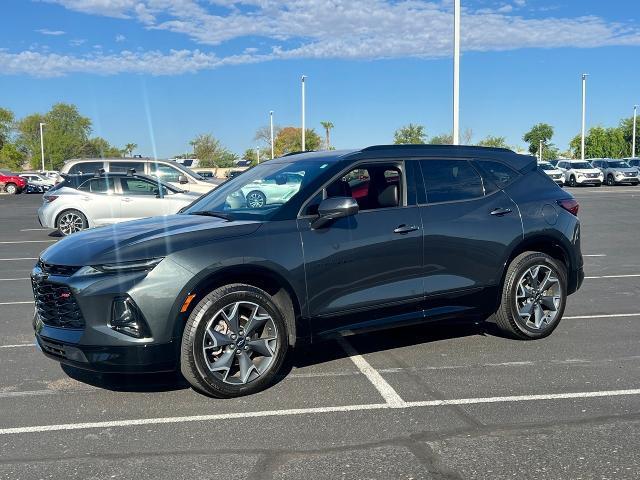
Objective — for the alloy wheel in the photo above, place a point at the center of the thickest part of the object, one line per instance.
(538, 297)
(70, 223)
(240, 343)
(256, 199)
(11, 189)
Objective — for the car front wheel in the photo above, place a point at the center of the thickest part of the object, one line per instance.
(234, 342)
(256, 199)
(572, 181)
(533, 297)
(610, 181)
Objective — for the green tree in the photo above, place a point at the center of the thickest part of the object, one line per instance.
(211, 153)
(98, 147)
(601, 142)
(410, 135)
(541, 132)
(289, 140)
(443, 139)
(6, 125)
(492, 141)
(626, 126)
(11, 157)
(129, 148)
(250, 156)
(327, 130)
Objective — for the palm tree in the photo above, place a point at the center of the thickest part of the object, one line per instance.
(129, 148)
(327, 128)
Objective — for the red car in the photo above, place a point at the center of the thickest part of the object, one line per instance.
(12, 183)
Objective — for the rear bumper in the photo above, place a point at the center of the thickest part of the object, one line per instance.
(148, 358)
(575, 279)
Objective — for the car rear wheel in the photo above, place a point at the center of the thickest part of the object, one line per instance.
(533, 297)
(71, 221)
(11, 188)
(256, 199)
(234, 342)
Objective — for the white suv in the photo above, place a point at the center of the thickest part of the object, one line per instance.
(553, 172)
(168, 171)
(580, 172)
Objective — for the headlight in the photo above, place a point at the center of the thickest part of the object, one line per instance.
(123, 267)
(619, 174)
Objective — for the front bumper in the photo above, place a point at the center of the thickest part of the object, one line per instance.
(110, 359)
(589, 181)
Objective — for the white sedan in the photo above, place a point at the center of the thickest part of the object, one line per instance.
(272, 190)
(107, 199)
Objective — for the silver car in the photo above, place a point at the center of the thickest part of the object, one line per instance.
(616, 171)
(107, 199)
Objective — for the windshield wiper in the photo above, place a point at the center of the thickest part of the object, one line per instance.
(211, 213)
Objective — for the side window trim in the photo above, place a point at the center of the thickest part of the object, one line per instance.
(400, 163)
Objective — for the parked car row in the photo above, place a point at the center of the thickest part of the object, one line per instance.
(84, 201)
(596, 171)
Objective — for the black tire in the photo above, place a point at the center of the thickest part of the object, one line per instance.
(83, 223)
(572, 181)
(11, 189)
(506, 317)
(194, 365)
(610, 180)
(257, 197)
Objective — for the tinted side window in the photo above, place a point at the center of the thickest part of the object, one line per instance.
(97, 185)
(125, 166)
(450, 180)
(165, 172)
(86, 167)
(138, 186)
(498, 173)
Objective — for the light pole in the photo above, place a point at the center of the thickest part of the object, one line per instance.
(42, 144)
(303, 127)
(633, 142)
(456, 72)
(540, 150)
(271, 126)
(258, 154)
(584, 110)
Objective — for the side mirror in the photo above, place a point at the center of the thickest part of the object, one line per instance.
(332, 208)
(281, 179)
(182, 179)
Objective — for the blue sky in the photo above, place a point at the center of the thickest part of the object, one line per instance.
(158, 72)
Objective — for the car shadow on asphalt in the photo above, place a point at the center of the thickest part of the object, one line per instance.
(301, 357)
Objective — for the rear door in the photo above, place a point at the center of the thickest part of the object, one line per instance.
(99, 201)
(470, 225)
(141, 198)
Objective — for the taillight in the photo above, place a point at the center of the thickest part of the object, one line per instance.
(50, 198)
(570, 205)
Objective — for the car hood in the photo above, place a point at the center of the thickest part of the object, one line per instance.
(142, 239)
(586, 170)
(625, 170)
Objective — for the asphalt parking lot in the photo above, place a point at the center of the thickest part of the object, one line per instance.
(435, 401)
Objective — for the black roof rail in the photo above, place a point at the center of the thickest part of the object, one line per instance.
(131, 172)
(414, 146)
(99, 172)
(296, 153)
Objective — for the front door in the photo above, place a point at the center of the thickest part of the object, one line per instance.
(368, 261)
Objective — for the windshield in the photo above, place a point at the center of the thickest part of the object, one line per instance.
(618, 164)
(196, 175)
(259, 192)
(547, 166)
(581, 165)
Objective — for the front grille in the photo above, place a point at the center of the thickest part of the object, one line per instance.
(62, 270)
(630, 174)
(56, 305)
(592, 175)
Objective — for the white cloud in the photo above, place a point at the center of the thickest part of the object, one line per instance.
(76, 42)
(120, 38)
(54, 33)
(351, 29)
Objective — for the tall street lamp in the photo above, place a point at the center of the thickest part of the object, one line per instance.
(584, 111)
(42, 144)
(258, 154)
(633, 143)
(271, 126)
(303, 120)
(456, 72)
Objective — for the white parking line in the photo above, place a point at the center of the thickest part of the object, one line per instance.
(17, 259)
(13, 279)
(611, 315)
(312, 411)
(388, 393)
(17, 345)
(34, 229)
(28, 241)
(16, 303)
(594, 255)
(614, 276)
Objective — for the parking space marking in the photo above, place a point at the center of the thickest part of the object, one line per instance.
(34, 229)
(314, 411)
(17, 345)
(611, 315)
(18, 242)
(13, 279)
(594, 255)
(17, 259)
(388, 393)
(614, 276)
(16, 303)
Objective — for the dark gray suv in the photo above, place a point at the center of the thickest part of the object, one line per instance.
(371, 238)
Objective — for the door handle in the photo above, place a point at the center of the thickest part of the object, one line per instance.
(499, 212)
(406, 228)
(126, 199)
